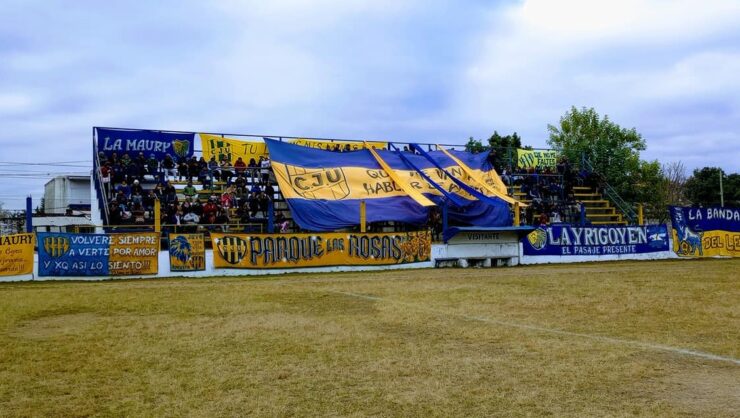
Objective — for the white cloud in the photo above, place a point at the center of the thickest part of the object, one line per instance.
(627, 59)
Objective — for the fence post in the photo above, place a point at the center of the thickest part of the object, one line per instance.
(157, 216)
(270, 216)
(517, 220)
(640, 216)
(363, 216)
(29, 214)
(444, 218)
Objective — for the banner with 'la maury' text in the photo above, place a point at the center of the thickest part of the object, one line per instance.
(156, 143)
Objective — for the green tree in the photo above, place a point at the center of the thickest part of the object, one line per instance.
(508, 141)
(702, 188)
(613, 151)
(474, 145)
(651, 188)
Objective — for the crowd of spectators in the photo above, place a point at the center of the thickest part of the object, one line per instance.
(549, 191)
(244, 194)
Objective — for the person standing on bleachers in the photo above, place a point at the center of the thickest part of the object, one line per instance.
(265, 169)
(168, 166)
(152, 166)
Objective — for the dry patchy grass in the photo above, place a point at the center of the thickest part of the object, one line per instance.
(444, 342)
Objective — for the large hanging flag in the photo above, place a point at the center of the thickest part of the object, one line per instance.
(231, 148)
(324, 189)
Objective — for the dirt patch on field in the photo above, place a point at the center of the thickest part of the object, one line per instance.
(55, 325)
(705, 391)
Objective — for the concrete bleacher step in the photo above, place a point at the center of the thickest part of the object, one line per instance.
(609, 223)
(596, 203)
(602, 216)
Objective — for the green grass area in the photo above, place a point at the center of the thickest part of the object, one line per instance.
(577, 340)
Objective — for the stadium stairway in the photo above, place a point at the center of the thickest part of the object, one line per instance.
(599, 210)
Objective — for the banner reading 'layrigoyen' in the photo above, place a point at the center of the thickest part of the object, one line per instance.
(536, 158)
(16, 254)
(62, 254)
(132, 142)
(596, 240)
(231, 148)
(320, 249)
(706, 232)
(187, 252)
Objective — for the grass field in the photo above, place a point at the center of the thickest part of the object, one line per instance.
(604, 339)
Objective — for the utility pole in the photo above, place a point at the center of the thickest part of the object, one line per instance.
(721, 192)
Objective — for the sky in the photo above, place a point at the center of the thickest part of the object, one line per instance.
(427, 71)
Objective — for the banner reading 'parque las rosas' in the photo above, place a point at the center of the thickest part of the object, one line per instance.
(319, 249)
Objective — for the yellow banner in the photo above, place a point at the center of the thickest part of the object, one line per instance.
(329, 145)
(536, 158)
(319, 249)
(16, 254)
(710, 243)
(217, 146)
(339, 183)
(133, 253)
(187, 252)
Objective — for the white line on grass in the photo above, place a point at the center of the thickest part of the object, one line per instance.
(612, 340)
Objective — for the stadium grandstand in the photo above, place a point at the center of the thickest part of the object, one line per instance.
(260, 183)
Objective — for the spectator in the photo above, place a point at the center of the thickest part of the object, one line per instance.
(137, 214)
(270, 191)
(193, 168)
(152, 166)
(125, 189)
(182, 167)
(205, 178)
(148, 200)
(136, 187)
(213, 167)
(281, 223)
(210, 211)
(226, 173)
(168, 166)
(265, 170)
(240, 166)
(189, 190)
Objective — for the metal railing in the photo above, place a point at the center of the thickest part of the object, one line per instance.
(613, 196)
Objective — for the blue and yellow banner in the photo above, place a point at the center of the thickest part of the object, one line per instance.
(187, 252)
(567, 240)
(324, 189)
(263, 251)
(705, 232)
(157, 143)
(526, 158)
(16, 254)
(62, 254)
(330, 145)
(231, 148)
